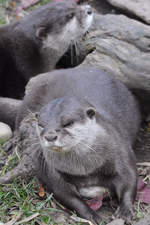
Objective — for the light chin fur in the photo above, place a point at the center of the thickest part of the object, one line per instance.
(89, 22)
(92, 192)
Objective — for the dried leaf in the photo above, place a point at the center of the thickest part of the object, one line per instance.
(41, 192)
(143, 192)
(13, 4)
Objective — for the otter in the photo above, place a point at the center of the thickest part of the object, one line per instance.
(34, 44)
(82, 136)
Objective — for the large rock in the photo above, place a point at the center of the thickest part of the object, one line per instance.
(122, 47)
(140, 8)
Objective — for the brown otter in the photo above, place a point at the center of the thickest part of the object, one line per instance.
(34, 44)
(82, 137)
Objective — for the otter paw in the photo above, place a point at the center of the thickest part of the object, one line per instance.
(95, 218)
(125, 214)
(91, 216)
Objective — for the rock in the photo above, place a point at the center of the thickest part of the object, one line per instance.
(5, 132)
(122, 47)
(117, 222)
(101, 6)
(139, 8)
(144, 221)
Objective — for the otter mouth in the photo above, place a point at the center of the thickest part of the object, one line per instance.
(56, 148)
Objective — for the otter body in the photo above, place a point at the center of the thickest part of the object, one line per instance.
(86, 125)
(34, 44)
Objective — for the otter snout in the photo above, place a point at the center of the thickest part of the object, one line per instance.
(50, 141)
(51, 137)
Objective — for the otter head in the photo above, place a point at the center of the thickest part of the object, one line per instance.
(65, 21)
(67, 124)
(54, 27)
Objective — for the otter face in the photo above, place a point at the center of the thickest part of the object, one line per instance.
(68, 126)
(67, 23)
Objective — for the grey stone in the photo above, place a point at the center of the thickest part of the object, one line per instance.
(122, 47)
(5, 132)
(140, 8)
(117, 222)
(144, 221)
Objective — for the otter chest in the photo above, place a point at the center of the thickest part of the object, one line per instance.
(88, 186)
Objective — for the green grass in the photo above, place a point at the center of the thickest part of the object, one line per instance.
(43, 2)
(139, 214)
(3, 2)
(2, 5)
(1, 143)
(2, 20)
(21, 197)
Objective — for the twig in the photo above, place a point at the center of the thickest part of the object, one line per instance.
(27, 219)
(78, 219)
(143, 164)
(14, 220)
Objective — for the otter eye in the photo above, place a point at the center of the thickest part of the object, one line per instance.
(41, 33)
(70, 16)
(36, 115)
(68, 124)
(90, 113)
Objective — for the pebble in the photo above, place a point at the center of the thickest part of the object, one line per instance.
(5, 132)
(117, 222)
(144, 221)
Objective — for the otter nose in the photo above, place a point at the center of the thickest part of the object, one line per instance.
(50, 137)
(89, 10)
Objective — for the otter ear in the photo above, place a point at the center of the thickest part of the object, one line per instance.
(90, 112)
(41, 33)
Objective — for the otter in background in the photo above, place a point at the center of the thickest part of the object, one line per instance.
(34, 44)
